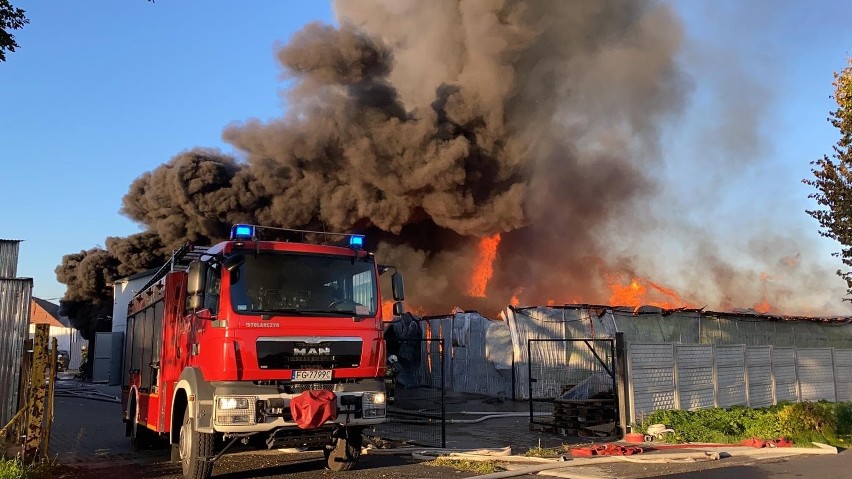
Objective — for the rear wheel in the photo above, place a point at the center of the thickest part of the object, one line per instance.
(344, 452)
(195, 449)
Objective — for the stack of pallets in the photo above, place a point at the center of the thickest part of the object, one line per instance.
(571, 416)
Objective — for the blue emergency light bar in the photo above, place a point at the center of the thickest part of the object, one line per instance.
(356, 241)
(242, 232)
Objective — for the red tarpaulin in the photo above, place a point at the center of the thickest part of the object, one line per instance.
(312, 409)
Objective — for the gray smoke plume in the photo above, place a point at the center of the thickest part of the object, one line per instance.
(429, 125)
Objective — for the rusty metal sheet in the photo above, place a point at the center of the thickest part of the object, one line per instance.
(15, 296)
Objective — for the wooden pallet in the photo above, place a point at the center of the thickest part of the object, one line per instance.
(582, 413)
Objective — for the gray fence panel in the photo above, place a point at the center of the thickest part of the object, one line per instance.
(651, 372)
(730, 375)
(816, 374)
(695, 376)
(784, 374)
(843, 374)
(759, 364)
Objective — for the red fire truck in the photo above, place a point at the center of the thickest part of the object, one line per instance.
(271, 343)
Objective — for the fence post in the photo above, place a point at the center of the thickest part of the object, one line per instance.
(51, 383)
(796, 369)
(675, 376)
(834, 374)
(443, 397)
(621, 381)
(35, 419)
(715, 375)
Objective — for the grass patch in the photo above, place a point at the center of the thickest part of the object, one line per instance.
(538, 451)
(478, 467)
(16, 469)
(803, 423)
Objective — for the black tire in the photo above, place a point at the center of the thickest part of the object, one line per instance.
(344, 452)
(193, 448)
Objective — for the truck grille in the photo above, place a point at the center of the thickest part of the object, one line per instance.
(273, 354)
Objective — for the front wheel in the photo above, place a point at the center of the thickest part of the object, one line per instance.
(344, 452)
(195, 448)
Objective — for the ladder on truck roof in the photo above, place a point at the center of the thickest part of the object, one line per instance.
(178, 262)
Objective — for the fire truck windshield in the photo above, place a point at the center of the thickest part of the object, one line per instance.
(304, 284)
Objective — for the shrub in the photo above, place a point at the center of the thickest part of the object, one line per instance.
(802, 422)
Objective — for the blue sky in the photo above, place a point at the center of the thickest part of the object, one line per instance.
(102, 91)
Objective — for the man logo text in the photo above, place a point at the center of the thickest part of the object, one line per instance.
(311, 351)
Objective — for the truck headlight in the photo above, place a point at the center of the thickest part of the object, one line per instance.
(374, 405)
(227, 403)
(235, 410)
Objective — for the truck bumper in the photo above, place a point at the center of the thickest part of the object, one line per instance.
(247, 408)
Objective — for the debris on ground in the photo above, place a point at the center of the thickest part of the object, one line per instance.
(82, 391)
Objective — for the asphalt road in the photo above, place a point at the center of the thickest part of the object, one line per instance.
(88, 437)
(270, 465)
(815, 467)
(276, 465)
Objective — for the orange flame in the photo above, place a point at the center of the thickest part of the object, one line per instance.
(641, 292)
(484, 267)
(764, 306)
(516, 300)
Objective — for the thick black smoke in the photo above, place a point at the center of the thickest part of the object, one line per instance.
(430, 125)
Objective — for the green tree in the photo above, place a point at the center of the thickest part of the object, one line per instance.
(11, 18)
(833, 177)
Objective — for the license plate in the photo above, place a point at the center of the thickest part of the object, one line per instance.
(312, 375)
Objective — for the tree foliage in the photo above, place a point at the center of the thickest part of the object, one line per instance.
(833, 177)
(11, 18)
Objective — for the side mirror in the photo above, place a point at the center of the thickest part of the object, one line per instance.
(234, 261)
(398, 286)
(397, 308)
(195, 284)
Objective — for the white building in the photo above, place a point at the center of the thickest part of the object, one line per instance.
(123, 291)
(109, 347)
(67, 338)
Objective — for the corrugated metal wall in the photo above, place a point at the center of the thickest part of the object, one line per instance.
(478, 357)
(693, 327)
(15, 297)
(9, 258)
(567, 362)
(681, 359)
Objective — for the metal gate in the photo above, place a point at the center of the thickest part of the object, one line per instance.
(416, 411)
(572, 385)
